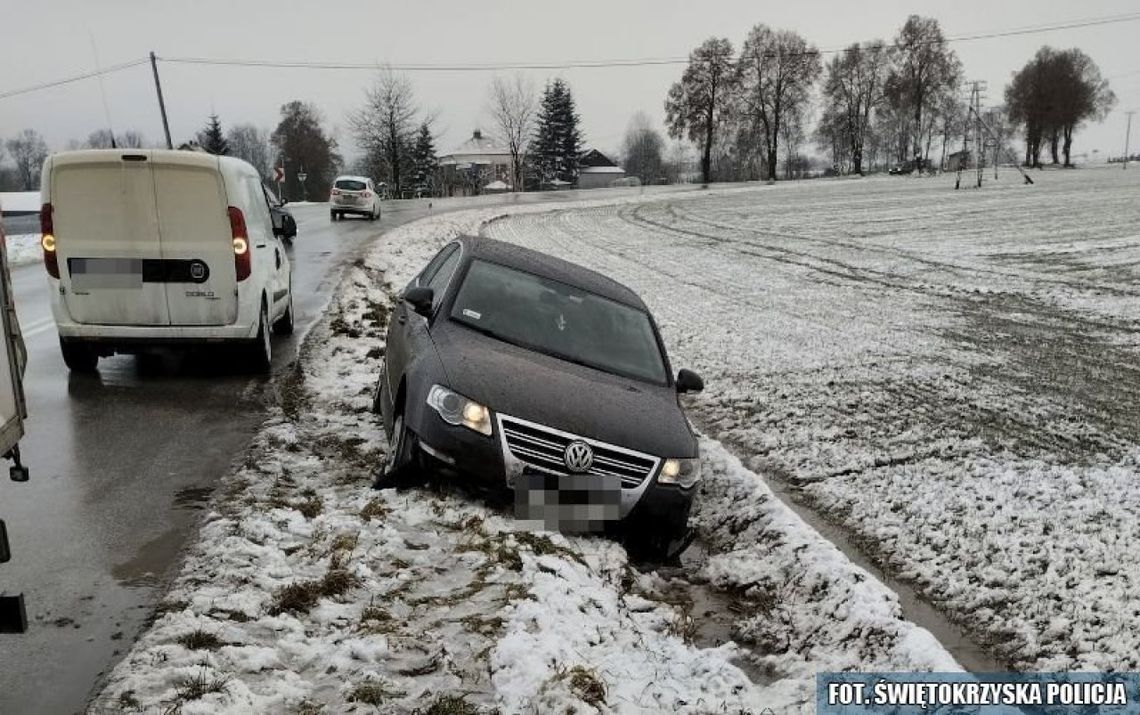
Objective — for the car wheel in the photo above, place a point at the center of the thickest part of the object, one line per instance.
(332, 215)
(284, 324)
(261, 351)
(399, 460)
(78, 357)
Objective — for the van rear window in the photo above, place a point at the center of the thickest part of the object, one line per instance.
(350, 185)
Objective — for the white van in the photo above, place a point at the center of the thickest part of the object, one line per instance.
(157, 247)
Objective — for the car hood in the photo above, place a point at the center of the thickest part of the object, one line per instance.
(574, 398)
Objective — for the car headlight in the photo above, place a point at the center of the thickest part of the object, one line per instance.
(455, 409)
(682, 472)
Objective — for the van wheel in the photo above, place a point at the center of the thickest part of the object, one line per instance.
(261, 351)
(78, 357)
(284, 324)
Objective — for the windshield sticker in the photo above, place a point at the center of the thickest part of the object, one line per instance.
(472, 314)
(561, 322)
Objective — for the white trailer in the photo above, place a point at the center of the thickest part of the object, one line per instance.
(13, 411)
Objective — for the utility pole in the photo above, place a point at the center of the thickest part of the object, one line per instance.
(161, 103)
(1127, 136)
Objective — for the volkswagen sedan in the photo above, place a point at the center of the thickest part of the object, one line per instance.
(523, 371)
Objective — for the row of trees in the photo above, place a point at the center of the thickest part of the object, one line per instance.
(541, 134)
(880, 102)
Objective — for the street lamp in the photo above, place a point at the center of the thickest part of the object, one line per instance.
(301, 176)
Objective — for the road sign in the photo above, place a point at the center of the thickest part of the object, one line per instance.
(279, 174)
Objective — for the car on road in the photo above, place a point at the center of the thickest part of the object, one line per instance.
(284, 225)
(147, 248)
(523, 371)
(353, 195)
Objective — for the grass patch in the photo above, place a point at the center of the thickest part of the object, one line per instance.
(128, 701)
(199, 640)
(448, 705)
(375, 509)
(586, 684)
(485, 626)
(372, 692)
(300, 597)
(345, 543)
(311, 507)
(497, 551)
(542, 545)
(200, 686)
(291, 391)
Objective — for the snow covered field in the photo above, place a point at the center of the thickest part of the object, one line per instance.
(952, 376)
(309, 592)
(23, 248)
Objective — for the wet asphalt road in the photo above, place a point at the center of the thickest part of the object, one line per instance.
(122, 464)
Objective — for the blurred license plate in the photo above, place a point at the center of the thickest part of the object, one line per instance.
(99, 273)
(572, 503)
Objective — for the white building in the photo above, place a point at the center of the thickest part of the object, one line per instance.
(473, 165)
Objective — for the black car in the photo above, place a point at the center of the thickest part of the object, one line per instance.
(523, 371)
(284, 225)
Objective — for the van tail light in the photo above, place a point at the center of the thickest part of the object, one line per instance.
(242, 265)
(47, 241)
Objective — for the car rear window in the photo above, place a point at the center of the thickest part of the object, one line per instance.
(350, 184)
(560, 320)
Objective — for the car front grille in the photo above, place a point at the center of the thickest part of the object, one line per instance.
(542, 447)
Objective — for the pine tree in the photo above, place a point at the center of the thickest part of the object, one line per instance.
(557, 139)
(212, 139)
(424, 160)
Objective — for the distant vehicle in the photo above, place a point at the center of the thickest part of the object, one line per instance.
(906, 167)
(354, 195)
(146, 248)
(521, 369)
(284, 225)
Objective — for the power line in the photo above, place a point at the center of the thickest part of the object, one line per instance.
(616, 63)
(74, 78)
(504, 66)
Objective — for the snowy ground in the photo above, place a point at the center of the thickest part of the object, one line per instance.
(23, 248)
(952, 376)
(308, 592)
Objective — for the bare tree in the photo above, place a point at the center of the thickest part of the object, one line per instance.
(28, 150)
(926, 70)
(777, 69)
(642, 149)
(699, 104)
(384, 127)
(513, 105)
(252, 144)
(103, 139)
(853, 90)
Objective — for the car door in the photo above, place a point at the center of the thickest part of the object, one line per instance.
(407, 330)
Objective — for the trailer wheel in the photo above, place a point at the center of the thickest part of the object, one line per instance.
(78, 357)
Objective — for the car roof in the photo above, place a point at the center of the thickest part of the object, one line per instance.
(548, 266)
(351, 177)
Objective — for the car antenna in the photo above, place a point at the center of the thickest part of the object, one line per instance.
(102, 90)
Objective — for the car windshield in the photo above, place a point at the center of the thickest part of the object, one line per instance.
(560, 320)
(350, 184)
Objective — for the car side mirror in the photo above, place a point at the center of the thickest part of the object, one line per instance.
(689, 381)
(420, 298)
(290, 226)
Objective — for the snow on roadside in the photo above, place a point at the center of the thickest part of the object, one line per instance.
(23, 248)
(306, 589)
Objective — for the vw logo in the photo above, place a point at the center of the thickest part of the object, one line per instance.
(578, 457)
(197, 270)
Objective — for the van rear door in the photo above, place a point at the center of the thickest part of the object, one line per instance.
(106, 229)
(197, 243)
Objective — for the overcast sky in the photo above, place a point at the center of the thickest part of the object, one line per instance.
(53, 39)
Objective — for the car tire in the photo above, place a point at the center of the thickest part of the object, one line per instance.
(261, 350)
(78, 357)
(284, 324)
(400, 458)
